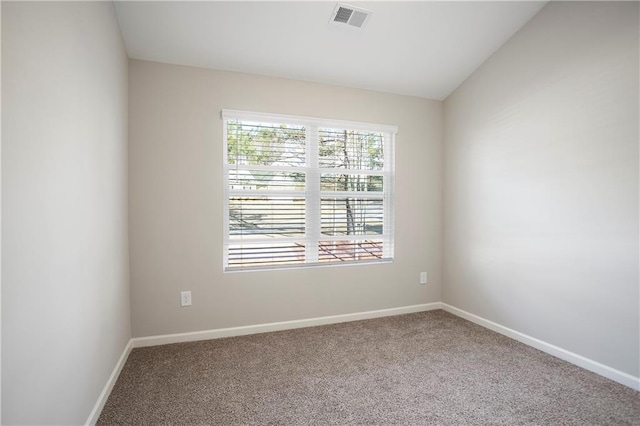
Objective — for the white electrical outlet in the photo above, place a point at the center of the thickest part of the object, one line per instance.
(423, 277)
(185, 298)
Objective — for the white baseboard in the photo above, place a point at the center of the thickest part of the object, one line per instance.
(573, 358)
(139, 342)
(104, 395)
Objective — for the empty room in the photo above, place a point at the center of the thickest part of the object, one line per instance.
(330, 213)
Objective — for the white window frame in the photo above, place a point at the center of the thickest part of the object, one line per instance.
(312, 193)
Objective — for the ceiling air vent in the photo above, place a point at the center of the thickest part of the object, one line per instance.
(344, 14)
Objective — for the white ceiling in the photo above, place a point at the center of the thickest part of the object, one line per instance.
(418, 48)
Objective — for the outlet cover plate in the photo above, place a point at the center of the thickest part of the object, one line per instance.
(185, 298)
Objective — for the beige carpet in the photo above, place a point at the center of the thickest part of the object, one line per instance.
(428, 368)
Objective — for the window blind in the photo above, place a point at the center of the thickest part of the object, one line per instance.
(305, 191)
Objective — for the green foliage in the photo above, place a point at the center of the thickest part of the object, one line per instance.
(265, 144)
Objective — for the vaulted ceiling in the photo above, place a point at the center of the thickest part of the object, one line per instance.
(419, 48)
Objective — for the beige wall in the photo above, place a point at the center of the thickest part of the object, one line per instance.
(541, 183)
(175, 201)
(65, 293)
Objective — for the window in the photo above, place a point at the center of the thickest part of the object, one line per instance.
(304, 191)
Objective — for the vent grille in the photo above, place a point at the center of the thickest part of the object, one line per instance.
(344, 14)
(358, 18)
